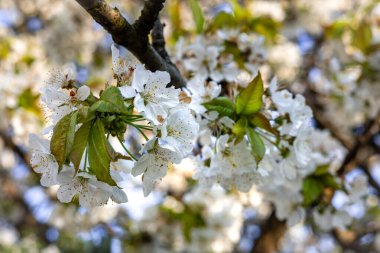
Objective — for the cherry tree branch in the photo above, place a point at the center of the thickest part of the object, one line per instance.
(158, 40)
(370, 129)
(149, 14)
(11, 145)
(272, 230)
(133, 37)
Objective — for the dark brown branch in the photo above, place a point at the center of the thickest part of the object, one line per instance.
(158, 40)
(371, 180)
(370, 129)
(323, 121)
(123, 33)
(271, 233)
(9, 143)
(149, 14)
(313, 100)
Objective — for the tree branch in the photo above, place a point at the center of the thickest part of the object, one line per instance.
(126, 35)
(158, 40)
(149, 14)
(271, 233)
(370, 129)
(9, 143)
(324, 122)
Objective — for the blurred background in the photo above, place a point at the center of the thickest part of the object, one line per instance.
(327, 50)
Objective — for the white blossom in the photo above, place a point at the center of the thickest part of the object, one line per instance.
(154, 165)
(60, 103)
(90, 191)
(126, 71)
(42, 161)
(201, 92)
(203, 60)
(178, 132)
(153, 98)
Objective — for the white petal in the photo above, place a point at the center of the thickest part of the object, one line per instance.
(127, 91)
(36, 143)
(83, 92)
(140, 77)
(66, 192)
(49, 178)
(160, 77)
(148, 185)
(141, 165)
(119, 196)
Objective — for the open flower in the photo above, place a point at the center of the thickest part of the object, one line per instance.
(178, 132)
(125, 71)
(154, 99)
(204, 59)
(154, 165)
(60, 103)
(42, 161)
(90, 191)
(201, 92)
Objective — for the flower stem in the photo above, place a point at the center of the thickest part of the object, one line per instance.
(126, 150)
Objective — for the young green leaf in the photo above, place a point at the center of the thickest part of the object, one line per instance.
(223, 20)
(99, 156)
(362, 36)
(63, 137)
(85, 114)
(314, 184)
(197, 14)
(239, 129)
(80, 143)
(111, 101)
(222, 105)
(250, 99)
(257, 144)
(259, 120)
(312, 190)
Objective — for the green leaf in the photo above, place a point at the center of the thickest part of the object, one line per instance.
(99, 156)
(239, 11)
(80, 143)
(259, 120)
(110, 101)
(29, 101)
(321, 170)
(239, 129)
(362, 36)
(63, 138)
(249, 100)
(223, 20)
(222, 105)
(336, 29)
(175, 13)
(85, 114)
(197, 14)
(329, 180)
(257, 144)
(265, 26)
(5, 48)
(312, 190)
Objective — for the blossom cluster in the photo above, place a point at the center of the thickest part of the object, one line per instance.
(80, 158)
(240, 131)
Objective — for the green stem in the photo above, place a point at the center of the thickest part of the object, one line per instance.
(141, 132)
(126, 150)
(262, 134)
